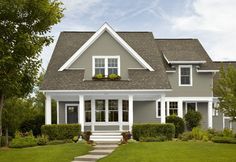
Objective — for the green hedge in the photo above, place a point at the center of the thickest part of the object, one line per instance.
(153, 130)
(178, 122)
(218, 139)
(21, 142)
(61, 131)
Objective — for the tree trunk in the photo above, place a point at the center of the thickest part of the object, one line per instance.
(6, 134)
(1, 107)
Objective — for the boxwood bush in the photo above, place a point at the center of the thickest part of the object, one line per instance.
(178, 122)
(61, 131)
(192, 119)
(153, 130)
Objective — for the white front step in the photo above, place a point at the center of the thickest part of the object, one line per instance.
(106, 136)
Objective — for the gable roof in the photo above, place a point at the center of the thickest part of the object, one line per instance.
(183, 51)
(69, 42)
(94, 37)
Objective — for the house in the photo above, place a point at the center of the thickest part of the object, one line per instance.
(158, 78)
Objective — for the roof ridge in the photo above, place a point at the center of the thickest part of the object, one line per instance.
(116, 32)
(176, 39)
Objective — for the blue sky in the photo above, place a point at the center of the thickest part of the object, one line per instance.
(211, 21)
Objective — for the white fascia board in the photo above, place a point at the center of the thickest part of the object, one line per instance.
(170, 71)
(207, 71)
(187, 62)
(183, 62)
(101, 30)
(109, 90)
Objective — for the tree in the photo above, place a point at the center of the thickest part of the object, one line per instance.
(225, 90)
(23, 28)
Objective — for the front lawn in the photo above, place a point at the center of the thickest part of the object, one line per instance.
(173, 152)
(49, 153)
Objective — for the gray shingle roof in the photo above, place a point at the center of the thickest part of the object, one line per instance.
(185, 50)
(69, 42)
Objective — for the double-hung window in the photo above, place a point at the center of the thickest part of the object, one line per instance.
(173, 108)
(125, 110)
(100, 110)
(87, 106)
(185, 75)
(113, 110)
(106, 65)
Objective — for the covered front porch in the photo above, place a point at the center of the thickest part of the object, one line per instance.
(102, 111)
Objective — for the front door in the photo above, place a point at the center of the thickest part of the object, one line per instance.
(72, 114)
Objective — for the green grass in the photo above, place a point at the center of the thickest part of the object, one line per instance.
(173, 152)
(49, 153)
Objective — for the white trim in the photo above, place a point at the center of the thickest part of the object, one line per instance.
(106, 63)
(210, 118)
(81, 112)
(157, 107)
(131, 112)
(170, 71)
(57, 112)
(163, 109)
(66, 105)
(183, 62)
(190, 99)
(76, 68)
(92, 39)
(48, 110)
(207, 71)
(191, 75)
(111, 90)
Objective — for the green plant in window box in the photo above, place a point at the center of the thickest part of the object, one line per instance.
(114, 77)
(98, 77)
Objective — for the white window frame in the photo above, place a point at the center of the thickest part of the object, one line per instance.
(177, 108)
(106, 63)
(191, 75)
(66, 105)
(87, 111)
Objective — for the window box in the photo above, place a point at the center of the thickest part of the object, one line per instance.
(111, 77)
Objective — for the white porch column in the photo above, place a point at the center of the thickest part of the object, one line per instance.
(120, 114)
(210, 114)
(131, 113)
(81, 112)
(180, 108)
(57, 112)
(163, 113)
(92, 114)
(48, 110)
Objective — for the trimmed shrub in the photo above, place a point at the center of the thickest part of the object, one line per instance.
(218, 139)
(153, 130)
(61, 131)
(153, 139)
(23, 140)
(42, 140)
(178, 122)
(192, 119)
(75, 139)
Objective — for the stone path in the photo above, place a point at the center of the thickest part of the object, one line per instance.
(101, 150)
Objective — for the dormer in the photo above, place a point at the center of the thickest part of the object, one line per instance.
(106, 53)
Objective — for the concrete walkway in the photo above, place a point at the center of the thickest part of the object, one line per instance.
(101, 150)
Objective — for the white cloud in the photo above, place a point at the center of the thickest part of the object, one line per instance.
(214, 20)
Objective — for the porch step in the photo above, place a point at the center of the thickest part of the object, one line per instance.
(106, 136)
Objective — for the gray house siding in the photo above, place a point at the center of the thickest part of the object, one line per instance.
(203, 109)
(145, 112)
(218, 122)
(202, 85)
(106, 45)
(62, 105)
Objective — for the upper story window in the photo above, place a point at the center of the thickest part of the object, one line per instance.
(185, 75)
(106, 65)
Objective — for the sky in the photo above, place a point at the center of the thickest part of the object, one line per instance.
(213, 22)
